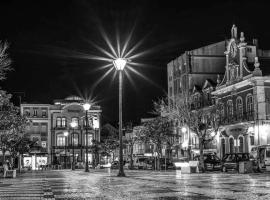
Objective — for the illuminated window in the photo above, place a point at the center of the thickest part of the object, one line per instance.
(90, 138)
(35, 112)
(75, 120)
(64, 122)
(58, 121)
(75, 139)
(61, 140)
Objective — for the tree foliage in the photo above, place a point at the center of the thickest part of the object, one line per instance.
(5, 61)
(12, 125)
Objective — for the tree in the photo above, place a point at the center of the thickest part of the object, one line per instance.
(96, 149)
(157, 131)
(109, 140)
(5, 61)
(12, 124)
(203, 122)
(136, 136)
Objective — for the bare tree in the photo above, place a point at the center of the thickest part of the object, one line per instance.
(204, 122)
(136, 136)
(5, 61)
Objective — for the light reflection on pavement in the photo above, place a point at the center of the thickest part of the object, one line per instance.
(139, 184)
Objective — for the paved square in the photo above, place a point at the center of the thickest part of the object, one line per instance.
(104, 184)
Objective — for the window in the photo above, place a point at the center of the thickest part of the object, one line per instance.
(61, 140)
(44, 113)
(230, 108)
(231, 141)
(249, 104)
(222, 111)
(239, 106)
(75, 119)
(241, 144)
(251, 140)
(90, 138)
(35, 128)
(27, 112)
(58, 121)
(64, 120)
(75, 139)
(35, 112)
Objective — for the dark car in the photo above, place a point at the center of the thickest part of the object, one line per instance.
(211, 161)
(169, 164)
(115, 165)
(231, 161)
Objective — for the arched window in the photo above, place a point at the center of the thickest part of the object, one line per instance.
(75, 139)
(241, 144)
(61, 140)
(90, 138)
(229, 108)
(231, 142)
(223, 147)
(58, 121)
(75, 120)
(239, 107)
(249, 100)
(64, 122)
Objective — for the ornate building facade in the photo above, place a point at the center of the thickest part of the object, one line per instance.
(239, 82)
(59, 142)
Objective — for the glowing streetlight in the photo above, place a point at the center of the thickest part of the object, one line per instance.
(119, 64)
(73, 125)
(86, 107)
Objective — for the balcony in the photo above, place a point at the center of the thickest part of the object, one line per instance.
(236, 118)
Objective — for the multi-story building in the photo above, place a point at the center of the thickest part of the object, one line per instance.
(50, 126)
(230, 74)
(244, 95)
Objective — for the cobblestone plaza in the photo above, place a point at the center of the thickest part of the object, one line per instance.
(104, 184)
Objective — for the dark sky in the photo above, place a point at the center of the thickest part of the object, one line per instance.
(45, 36)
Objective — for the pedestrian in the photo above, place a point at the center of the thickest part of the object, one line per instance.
(5, 165)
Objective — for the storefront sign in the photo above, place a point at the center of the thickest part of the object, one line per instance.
(27, 161)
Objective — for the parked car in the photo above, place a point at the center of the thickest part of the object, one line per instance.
(211, 161)
(115, 165)
(143, 163)
(231, 161)
(169, 164)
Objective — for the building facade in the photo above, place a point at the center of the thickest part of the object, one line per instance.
(59, 142)
(238, 82)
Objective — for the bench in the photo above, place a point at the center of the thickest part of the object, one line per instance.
(10, 174)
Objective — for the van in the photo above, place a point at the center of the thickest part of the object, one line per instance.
(263, 158)
(142, 163)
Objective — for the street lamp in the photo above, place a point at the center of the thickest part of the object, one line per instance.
(66, 135)
(86, 107)
(119, 65)
(73, 125)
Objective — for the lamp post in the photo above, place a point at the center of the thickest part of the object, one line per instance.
(73, 125)
(86, 107)
(119, 65)
(66, 135)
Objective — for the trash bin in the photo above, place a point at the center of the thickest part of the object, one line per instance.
(245, 167)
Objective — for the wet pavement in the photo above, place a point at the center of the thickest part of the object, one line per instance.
(104, 184)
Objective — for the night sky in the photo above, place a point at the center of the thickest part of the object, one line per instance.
(46, 38)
